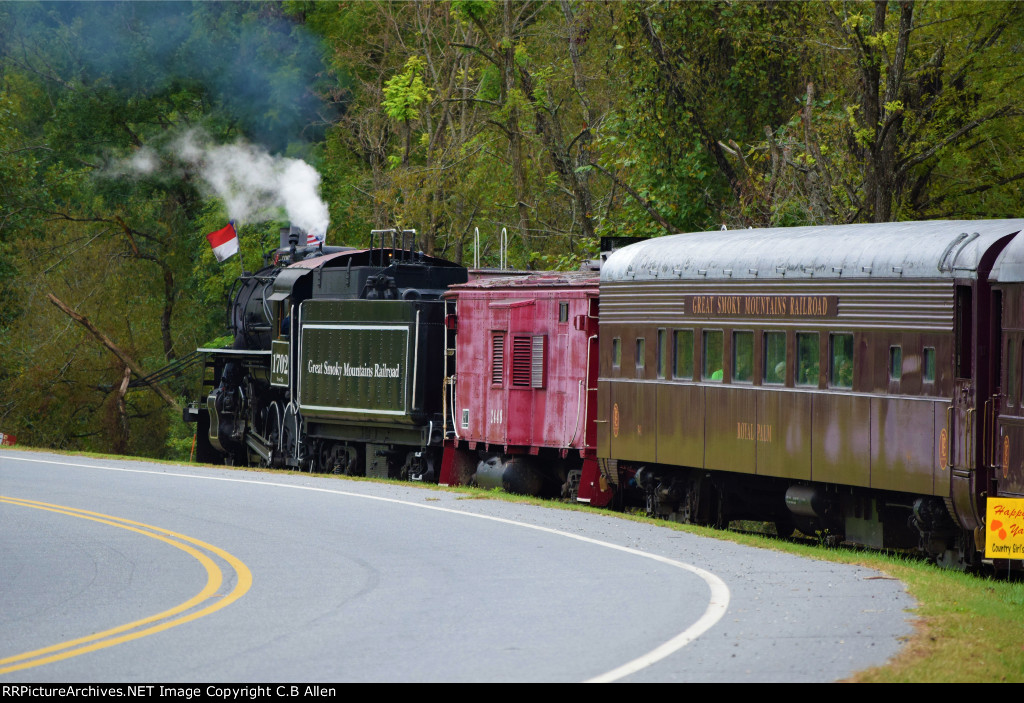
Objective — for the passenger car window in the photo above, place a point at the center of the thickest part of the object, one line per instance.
(807, 355)
(775, 357)
(617, 351)
(682, 354)
(895, 363)
(928, 362)
(641, 351)
(713, 355)
(743, 357)
(841, 360)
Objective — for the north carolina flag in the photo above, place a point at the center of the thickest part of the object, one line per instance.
(224, 242)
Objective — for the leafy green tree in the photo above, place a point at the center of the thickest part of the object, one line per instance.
(88, 91)
(700, 75)
(917, 117)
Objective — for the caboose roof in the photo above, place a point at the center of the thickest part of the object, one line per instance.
(540, 279)
(930, 249)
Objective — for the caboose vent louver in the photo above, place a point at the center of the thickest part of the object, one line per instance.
(497, 358)
(521, 361)
(537, 377)
(528, 362)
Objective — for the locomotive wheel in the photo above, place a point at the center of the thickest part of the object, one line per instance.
(291, 430)
(272, 432)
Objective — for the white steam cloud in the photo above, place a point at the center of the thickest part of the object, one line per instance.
(253, 184)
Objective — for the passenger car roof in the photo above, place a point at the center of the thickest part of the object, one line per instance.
(930, 249)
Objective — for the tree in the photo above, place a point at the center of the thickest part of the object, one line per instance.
(919, 118)
(86, 89)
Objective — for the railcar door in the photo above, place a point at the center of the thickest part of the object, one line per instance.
(963, 381)
(973, 367)
(497, 393)
(1008, 449)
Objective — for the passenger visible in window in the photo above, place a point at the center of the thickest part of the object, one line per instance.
(713, 352)
(807, 359)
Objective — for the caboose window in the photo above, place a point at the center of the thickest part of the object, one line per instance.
(841, 360)
(711, 369)
(563, 311)
(807, 355)
(929, 365)
(775, 358)
(743, 357)
(895, 363)
(682, 354)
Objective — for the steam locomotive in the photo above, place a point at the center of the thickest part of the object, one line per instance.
(335, 364)
(861, 382)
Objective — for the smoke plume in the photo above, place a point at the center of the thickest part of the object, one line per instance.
(253, 184)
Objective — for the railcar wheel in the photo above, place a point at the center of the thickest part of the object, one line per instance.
(958, 556)
(338, 459)
(571, 487)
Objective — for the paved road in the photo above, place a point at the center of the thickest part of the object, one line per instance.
(136, 572)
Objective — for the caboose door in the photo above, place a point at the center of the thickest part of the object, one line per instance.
(497, 393)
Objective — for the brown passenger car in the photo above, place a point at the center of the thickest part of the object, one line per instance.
(843, 380)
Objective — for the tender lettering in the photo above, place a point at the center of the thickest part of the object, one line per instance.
(326, 368)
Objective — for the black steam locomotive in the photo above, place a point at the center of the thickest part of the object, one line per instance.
(337, 357)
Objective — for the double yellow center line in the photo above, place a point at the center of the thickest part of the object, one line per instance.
(207, 601)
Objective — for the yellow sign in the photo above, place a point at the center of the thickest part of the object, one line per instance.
(1004, 528)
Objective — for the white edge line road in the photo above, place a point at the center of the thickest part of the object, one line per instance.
(717, 604)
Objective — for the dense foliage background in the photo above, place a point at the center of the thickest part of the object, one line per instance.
(559, 121)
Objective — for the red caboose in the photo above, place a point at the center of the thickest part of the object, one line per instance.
(521, 408)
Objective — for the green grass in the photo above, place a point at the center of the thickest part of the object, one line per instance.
(969, 628)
